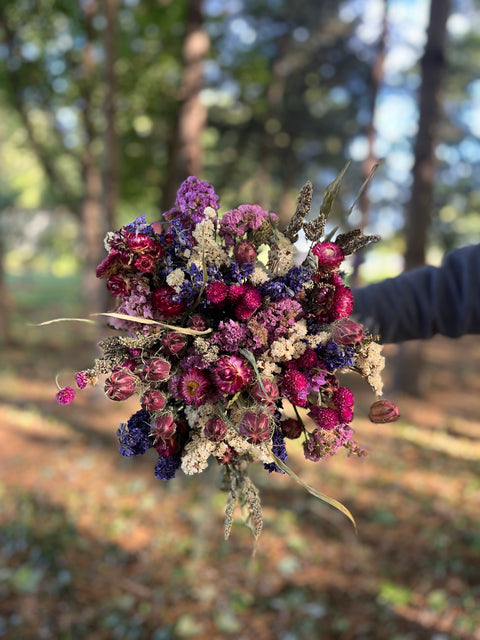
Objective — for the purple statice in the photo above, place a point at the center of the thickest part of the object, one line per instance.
(138, 303)
(166, 468)
(278, 448)
(230, 336)
(140, 225)
(237, 274)
(133, 436)
(193, 197)
(279, 317)
(247, 217)
(182, 239)
(336, 356)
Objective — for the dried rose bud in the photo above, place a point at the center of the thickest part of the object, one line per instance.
(167, 448)
(120, 385)
(383, 411)
(173, 342)
(347, 332)
(197, 323)
(291, 428)
(254, 427)
(269, 395)
(157, 369)
(163, 427)
(245, 252)
(215, 429)
(153, 400)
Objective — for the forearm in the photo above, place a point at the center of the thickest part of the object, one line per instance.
(423, 302)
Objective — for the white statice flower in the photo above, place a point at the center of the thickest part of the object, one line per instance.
(197, 417)
(108, 241)
(280, 257)
(320, 338)
(175, 279)
(268, 368)
(195, 455)
(261, 452)
(239, 444)
(292, 346)
(371, 363)
(207, 247)
(259, 276)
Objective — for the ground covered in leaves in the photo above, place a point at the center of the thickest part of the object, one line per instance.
(93, 546)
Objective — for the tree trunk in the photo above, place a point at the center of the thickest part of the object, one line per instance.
(369, 162)
(93, 211)
(408, 375)
(186, 153)
(432, 72)
(111, 173)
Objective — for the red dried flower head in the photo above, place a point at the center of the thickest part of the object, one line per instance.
(346, 331)
(144, 263)
(291, 428)
(118, 286)
(245, 252)
(269, 393)
(153, 400)
(197, 323)
(111, 264)
(173, 342)
(167, 448)
(215, 429)
(120, 385)
(232, 374)
(342, 304)
(228, 457)
(325, 417)
(255, 427)
(216, 292)
(296, 387)
(138, 242)
(383, 411)
(236, 292)
(163, 427)
(343, 397)
(329, 254)
(65, 395)
(157, 369)
(163, 302)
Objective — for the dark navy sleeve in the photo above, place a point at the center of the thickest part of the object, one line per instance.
(423, 302)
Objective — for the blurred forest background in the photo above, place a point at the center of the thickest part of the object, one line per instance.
(105, 107)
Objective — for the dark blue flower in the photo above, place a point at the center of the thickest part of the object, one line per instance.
(133, 436)
(278, 448)
(140, 225)
(274, 289)
(336, 356)
(166, 467)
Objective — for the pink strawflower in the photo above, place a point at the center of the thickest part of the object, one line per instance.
(232, 374)
(216, 292)
(295, 387)
(193, 387)
(65, 395)
(255, 427)
(329, 254)
(342, 304)
(82, 379)
(144, 263)
(325, 417)
(138, 242)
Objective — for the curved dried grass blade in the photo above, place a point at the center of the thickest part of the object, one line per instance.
(42, 324)
(321, 496)
(122, 316)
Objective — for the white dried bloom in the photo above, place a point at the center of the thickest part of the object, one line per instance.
(320, 338)
(208, 351)
(175, 279)
(207, 246)
(258, 277)
(280, 257)
(292, 346)
(371, 363)
(268, 368)
(108, 240)
(196, 454)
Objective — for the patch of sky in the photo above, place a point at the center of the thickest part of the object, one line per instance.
(470, 149)
(244, 32)
(395, 116)
(30, 51)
